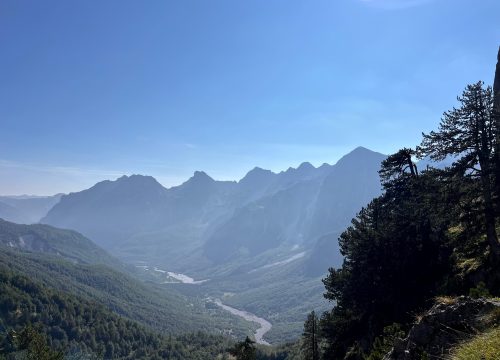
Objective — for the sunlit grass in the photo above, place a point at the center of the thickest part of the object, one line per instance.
(485, 346)
(447, 300)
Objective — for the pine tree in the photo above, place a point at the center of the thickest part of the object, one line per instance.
(470, 132)
(35, 345)
(398, 166)
(383, 277)
(496, 119)
(310, 338)
(244, 350)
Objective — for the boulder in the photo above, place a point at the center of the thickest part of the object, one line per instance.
(447, 323)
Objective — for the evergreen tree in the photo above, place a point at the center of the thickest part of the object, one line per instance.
(424, 236)
(398, 167)
(244, 350)
(310, 338)
(383, 277)
(470, 133)
(34, 345)
(496, 120)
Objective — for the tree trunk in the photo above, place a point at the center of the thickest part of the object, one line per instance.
(496, 114)
(489, 216)
(484, 157)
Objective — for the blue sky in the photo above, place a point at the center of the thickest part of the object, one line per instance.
(90, 90)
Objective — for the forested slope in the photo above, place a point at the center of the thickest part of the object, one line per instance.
(74, 324)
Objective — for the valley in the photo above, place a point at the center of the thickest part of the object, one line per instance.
(259, 238)
(265, 325)
(250, 180)
(253, 244)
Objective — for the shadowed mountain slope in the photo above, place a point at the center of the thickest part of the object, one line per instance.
(136, 218)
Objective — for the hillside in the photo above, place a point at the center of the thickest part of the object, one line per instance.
(82, 327)
(164, 310)
(268, 238)
(111, 210)
(318, 202)
(64, 260)
(67, 244)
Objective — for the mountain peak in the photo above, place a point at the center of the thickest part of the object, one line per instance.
(136, 180)
(134, 177)
(305, 166)
(360, 150)
(256, 174)
(200, 177)
(258, 169)
(361, 155)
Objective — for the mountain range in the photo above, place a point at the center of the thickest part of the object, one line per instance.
(138, 219)
(260, 244)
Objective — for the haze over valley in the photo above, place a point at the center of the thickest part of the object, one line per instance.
(250, 180)
(254, 244)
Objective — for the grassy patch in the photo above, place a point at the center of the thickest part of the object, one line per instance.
(447, 300)
(485, 346)
(493, 318)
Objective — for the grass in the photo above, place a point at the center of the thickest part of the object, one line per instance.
(442, 299)
(447, 300)
(485, 346)
(493, 318)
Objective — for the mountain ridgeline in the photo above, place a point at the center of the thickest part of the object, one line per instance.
(259, 243)
(264, 239)
(136, 218)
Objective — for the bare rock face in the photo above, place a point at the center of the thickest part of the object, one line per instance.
(442, 327)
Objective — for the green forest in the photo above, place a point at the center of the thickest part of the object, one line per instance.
(82, 329)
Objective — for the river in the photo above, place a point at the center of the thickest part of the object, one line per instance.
(265, 325)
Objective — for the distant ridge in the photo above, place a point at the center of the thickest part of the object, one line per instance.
(304, 205)
(286, 223)
(136, 217)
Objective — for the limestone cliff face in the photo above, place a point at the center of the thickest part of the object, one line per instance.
(446, 324)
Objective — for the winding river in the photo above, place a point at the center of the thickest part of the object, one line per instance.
(265, 325)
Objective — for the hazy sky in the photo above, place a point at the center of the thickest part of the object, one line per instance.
(90, 90)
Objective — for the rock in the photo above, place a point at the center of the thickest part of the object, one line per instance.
(443, 326)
